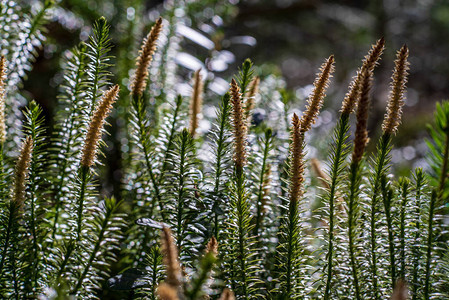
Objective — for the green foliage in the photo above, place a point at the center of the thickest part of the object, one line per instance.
(11, 216)
(183, 207)
(24, 34)
(106, 227)
(439, 146)
(260, 176)
(245, 75)
(353, 226)
(291, 253)
(154, 272)
(379, 168)
(339, 152)
(220, 172)
(240, 261)
(69, 132)
(35, 207)
(98, 64)
(290, 257)
(418, 232)
(70, 236)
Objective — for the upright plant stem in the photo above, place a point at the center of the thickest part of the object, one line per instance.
(292, 246)
(429, 245)
(35, 269)
(404, 187)
(444, 168)
(139, 108)
(339, 153)
(259, 208)
(241, 217)
(33, 116)
(154, 274)
(9, 228)
(69, 250)
(241, 233)
(93, 255)
(84, 178)
(218, 165)
(387, 195)
(220, 156)
(180, 200)
(170, 138)
(437, 197)
(417, 245)
(354, 183)
(13, 213)
(290, 231)
(71, 124)
(380, 163)
(97, 60)
(38, 18)
(15, 278)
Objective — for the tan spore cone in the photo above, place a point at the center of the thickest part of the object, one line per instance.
(239, 126)
(369, 62)
(139, 80)
(227, 295)
(212, 246)
(396, 97)
(361, 133)
(96, 124)
(196, 103)
(171, 261)
(296, 161)
(400, 291)
(315, 101)
(250, 97)
(22, 171)
(167, 292)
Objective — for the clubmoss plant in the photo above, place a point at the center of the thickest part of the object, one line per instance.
(354, 179)
(2, 100)
(380, 163)
(89, 152)
(227, 213)
(241, 263)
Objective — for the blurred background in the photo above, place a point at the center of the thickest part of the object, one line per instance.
(286, 39)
